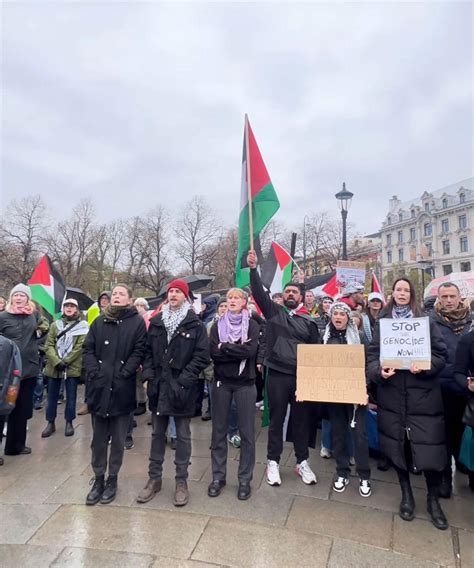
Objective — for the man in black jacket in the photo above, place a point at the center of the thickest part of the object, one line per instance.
(286, 327)
(113, 351)
(177, 351)
(453, 319)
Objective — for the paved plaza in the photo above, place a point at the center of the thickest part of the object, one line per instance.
(44, 522)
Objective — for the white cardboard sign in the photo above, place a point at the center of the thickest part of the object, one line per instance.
(405, 341)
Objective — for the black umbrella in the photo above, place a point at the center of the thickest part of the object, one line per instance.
(194, 281)
(82, 298)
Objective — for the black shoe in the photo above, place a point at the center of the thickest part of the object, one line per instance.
(141, 409)
(25, 451)
(244, 491)
(446, 485)
(205, 416)
(110, 490)
(215, 488)
(436, 513)
(129, 443)
(383, 464)
(471, 481)
(1, 461)
(94, 495)
(407, 504)
(173, 443)
(49, 430)
(69, 429)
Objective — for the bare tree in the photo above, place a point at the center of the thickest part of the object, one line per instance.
(22, 229)
(275, 231)
(197, 229)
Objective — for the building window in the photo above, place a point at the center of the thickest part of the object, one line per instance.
(427, 229)
(400, 236)
(462, 221)
(462, 198)
(413, 213)
(427, 207)
(446, 249)
(463, 244)
(400, 216)
(465, 266)
(412, 234)
(389, 220)
(447, 269)
(400, 255)
(429, 249)
(389, 257)
(445, 203)
(444, 225)
(389, 240)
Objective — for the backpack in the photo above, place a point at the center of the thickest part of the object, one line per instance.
(10, 373)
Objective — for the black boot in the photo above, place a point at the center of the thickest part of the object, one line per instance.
(110, 490)
(50, 429)
(446, 484)
(95, 493)
(407, 504)
(436, 513)
(69, 429)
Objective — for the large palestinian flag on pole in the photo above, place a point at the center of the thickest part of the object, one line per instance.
(47, 287)
(277, 270)
(258, 202)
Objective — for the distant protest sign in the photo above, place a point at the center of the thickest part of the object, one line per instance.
(405, 341)
(348, 272)
(331, 373)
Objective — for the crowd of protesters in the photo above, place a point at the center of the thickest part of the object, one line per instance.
(170, 358)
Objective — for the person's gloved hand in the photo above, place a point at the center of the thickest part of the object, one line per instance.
(61, 366)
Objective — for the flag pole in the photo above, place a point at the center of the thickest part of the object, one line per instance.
(249, 182)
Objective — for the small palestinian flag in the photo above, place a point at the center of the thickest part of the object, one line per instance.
(47, 287)
(277, 269)
(263, 201)
(330, 288)
(375, 286)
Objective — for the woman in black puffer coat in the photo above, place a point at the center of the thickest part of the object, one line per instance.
(410, 410)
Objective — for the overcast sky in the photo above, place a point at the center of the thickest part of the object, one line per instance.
(137, 104)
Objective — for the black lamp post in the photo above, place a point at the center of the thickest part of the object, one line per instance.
(344, 199)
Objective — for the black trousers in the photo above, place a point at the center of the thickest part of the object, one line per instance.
(18, 418)
(245, 397)
(341, 416)
(281, 392)
(454, 405)
(432, 478)
(114, 427)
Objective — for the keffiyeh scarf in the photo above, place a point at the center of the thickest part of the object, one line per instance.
(234, 328)
(172, 318)
(352, 333)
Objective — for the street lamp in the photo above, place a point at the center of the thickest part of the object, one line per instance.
(304, 243)
(344, 199)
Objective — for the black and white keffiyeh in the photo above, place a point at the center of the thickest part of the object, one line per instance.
(172, 318)
(352, 333)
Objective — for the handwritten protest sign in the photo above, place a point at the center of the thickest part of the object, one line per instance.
(331, 373)
(405, 341)
(348, 271)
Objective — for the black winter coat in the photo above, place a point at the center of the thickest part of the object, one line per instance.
(451, 340)
(410, 406)
(227, 358)
(113, 351)
(172, 370)
(463, 368)
(22, 330)
(283, 332)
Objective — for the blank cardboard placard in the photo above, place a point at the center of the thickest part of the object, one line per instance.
(331, 373)
(405, 341)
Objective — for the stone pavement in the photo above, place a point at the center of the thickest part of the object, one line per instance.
(44, 522)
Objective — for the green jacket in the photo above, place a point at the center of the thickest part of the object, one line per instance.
(73, 360)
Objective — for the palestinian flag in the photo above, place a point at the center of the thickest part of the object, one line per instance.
(277, 270)
(47, 287)
(257, 189)
(330, 288)
(375, 286)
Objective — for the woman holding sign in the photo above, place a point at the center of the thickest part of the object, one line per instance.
(410, 408)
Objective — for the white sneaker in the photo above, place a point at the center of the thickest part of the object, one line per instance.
(364, 488)
(325, 453)
(259, 404)
(273, 473)
(306, 473)
(340, 484)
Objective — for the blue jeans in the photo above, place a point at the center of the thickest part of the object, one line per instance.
(54, 386)
(326, 437)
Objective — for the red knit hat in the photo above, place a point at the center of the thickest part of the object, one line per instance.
(180, 284)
